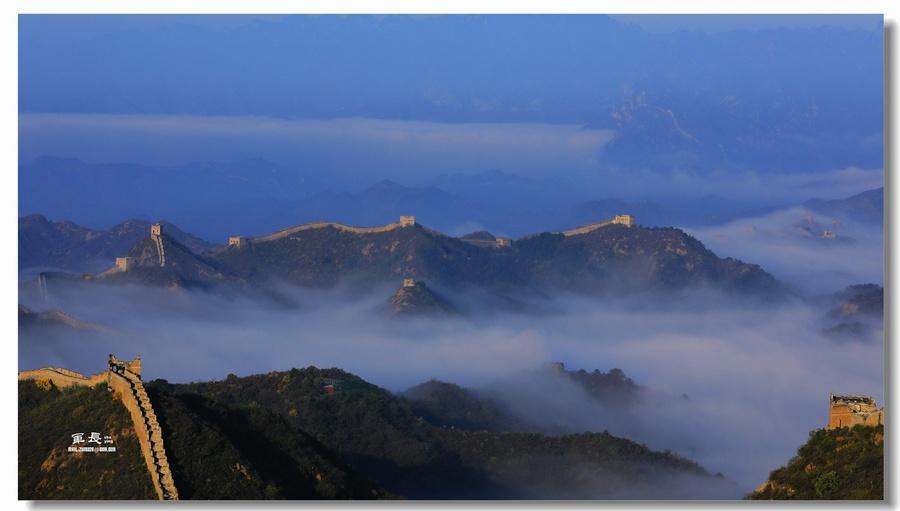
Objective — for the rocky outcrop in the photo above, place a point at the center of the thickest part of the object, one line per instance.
(416, 299)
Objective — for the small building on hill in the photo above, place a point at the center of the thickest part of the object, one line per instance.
(124, 263)
(626, 220)
(848, 411)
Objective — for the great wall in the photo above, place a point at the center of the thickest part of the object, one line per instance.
(125, 264)
(410, 221)
(405, 221)
(123, 379)
(156, 236)
(42, 286)
(626, 220)
(848, 411)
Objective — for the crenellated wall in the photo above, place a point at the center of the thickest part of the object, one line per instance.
(127, 386)
(133, 395)
(405, 221)
(626, 220)
(160, 248)
(848, 411)
(63, 378)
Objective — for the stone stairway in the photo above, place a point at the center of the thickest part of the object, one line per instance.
(160, 248)
(161, 472)
(42, 286)
(123, 379)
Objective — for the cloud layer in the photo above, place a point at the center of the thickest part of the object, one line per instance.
(351, 147)
(789, 244)
(756, 378)
(360, 151)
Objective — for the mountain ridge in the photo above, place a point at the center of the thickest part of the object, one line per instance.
(70, 246)
(597, 259)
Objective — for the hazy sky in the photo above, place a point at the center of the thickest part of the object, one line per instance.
(725, 22)
(641, 105)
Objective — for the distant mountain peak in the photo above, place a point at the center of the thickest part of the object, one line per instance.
(867, 206)
(479, 235)
(417, 299)
(386, 184)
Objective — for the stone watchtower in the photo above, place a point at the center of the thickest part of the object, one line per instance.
(237, 241)
(124, 263)
(626, 220)
(407, 221)
(848, 411)
(156, 230)
(120, 366)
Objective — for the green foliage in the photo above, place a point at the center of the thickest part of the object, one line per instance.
(282, 436)
(379, 435)
(594, 262)
(448, 405)
(610, 387)
(219, 451)
(48, 417)
(419, 300)
(581, 466)
(837, 464)
(826, 485)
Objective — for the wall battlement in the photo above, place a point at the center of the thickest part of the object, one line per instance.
(123, 378)
(124, 263)
(626, 220)
(848, 411)
(405, 221)
(237, 241)
(156, 236)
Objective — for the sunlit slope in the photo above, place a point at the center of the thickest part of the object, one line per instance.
(48, 417)
(837, 464)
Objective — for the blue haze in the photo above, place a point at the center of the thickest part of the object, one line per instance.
(730, 113)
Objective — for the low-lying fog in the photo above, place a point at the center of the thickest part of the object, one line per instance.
(732, 386)
(789, 243)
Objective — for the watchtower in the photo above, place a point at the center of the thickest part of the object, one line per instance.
(120, 366)
(848, 411)
(407, 221)
(124, 263)
(503, 242)
(409, 283)
(156, 230)
(237, 241)
(626, 220)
